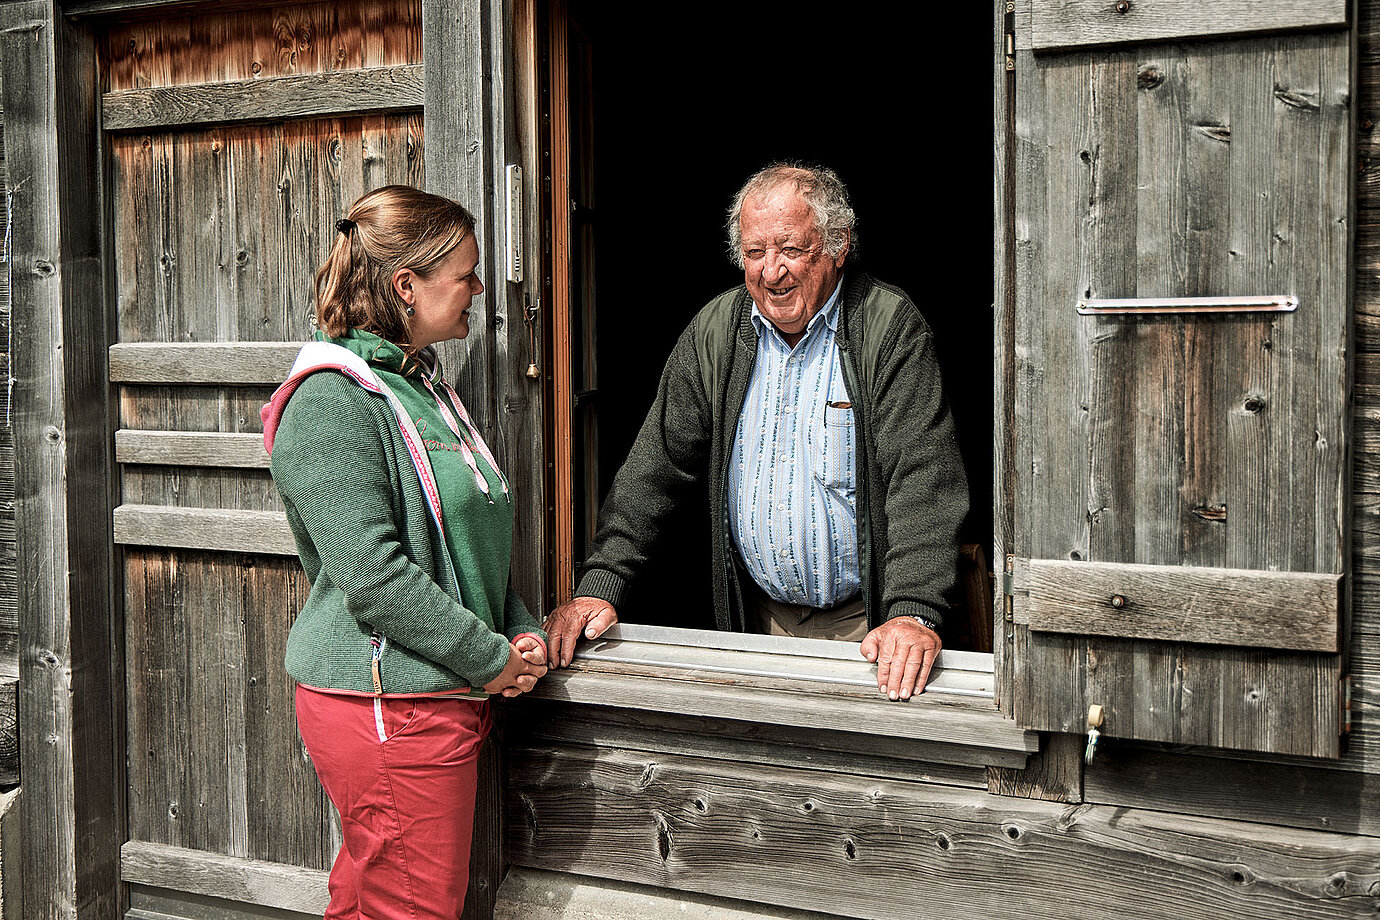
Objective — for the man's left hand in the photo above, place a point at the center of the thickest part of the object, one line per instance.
(904, 651)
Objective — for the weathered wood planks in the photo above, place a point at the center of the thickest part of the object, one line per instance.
(890, 849)
(70, 749)
(1203, 168)
(218, 42)
(221, 529)
(246, 881)
(973, 726)
(1243, 607)
(179, 448)
(1070, 23)
(352, 92)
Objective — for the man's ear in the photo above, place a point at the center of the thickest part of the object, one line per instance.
(402, 285)
(843, 254)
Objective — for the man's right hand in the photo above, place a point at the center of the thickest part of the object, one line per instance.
(589, 615)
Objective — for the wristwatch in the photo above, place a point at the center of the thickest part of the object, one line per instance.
(926, 622)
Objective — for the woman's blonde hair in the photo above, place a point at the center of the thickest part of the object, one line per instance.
(392, 227)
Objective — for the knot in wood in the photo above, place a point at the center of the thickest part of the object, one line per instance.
(1149, 76)
(52, 435)
(44, 269)
(1253, 404)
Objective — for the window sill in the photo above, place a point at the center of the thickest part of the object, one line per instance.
(782, 681)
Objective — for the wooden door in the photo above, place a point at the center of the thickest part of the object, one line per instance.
(1180, 474)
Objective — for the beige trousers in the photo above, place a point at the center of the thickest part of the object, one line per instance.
(846, 622)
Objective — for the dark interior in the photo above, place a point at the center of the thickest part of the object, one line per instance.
(683, 112)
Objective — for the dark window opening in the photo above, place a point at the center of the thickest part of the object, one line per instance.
(668, 119)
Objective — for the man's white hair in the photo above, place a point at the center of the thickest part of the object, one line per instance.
(820, 187)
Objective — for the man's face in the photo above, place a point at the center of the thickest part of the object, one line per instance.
(787, 271)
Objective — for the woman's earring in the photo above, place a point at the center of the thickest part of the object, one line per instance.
(410, 310)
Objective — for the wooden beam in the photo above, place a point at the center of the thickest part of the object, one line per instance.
(233, 878)
(142, 9)
(976, 727)
(886, 849)
(216, 529)
(71, 752)
(206, 363)
(537, 723)
(1289, 794)
(1237, 607)
(190, 448)
(1072, 23)
(313, 95)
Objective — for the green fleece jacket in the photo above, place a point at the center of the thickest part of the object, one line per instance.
(912, 492)
(370, 548)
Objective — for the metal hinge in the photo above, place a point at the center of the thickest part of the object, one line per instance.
(1008, 587)
(1010, 34)
(1346, 704)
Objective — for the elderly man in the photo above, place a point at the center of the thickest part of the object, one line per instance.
(810, 400)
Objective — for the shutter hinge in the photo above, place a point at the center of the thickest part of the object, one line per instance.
(1010, 37)
(1346, 704)
(1008, 587)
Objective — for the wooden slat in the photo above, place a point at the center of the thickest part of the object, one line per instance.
(123, 8)
(184, 448)
(1218, 696)
(71, 748)
(1287, 610)
(248, 881)
(204, 528)
(532, 722)
(977, 727)
(224, 363)
(888, 849)
(1071, 23)
(1293, 795)
(346, 92)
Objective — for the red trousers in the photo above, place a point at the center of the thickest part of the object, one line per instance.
(402, 774)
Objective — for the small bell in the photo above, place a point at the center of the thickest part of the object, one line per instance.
(532, 371)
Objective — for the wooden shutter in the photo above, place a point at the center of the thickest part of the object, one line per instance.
(1180, 508)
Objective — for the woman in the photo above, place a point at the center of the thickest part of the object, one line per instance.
(404, 525)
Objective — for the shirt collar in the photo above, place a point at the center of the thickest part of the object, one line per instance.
(827, 314)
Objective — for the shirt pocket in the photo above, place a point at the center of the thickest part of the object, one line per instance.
(837, 454)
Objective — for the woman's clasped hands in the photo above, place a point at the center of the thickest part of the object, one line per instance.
(526, 665)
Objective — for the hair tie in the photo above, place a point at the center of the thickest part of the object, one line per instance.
(345, 225)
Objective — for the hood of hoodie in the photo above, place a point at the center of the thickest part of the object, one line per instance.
(356, 354)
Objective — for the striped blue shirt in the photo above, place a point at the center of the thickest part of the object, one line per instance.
(792, 485)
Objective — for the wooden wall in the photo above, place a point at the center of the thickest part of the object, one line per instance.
(217, 231)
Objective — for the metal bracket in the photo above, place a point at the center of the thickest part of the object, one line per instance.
(1346, 704)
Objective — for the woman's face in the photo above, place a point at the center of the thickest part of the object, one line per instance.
(442, 301)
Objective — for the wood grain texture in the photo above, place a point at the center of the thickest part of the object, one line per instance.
(460, 43)
(224, 363)
(248, 881)
(1206, 168)
(891, 849)
(70, 749)
(345, 92)
(219, 529)
(520, 399)
(1293, 795)
(217, 42)
(180, 448)
(1071, 23)
(1054, 774)
(1242, 607)
(977, 727)
(528, 722)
